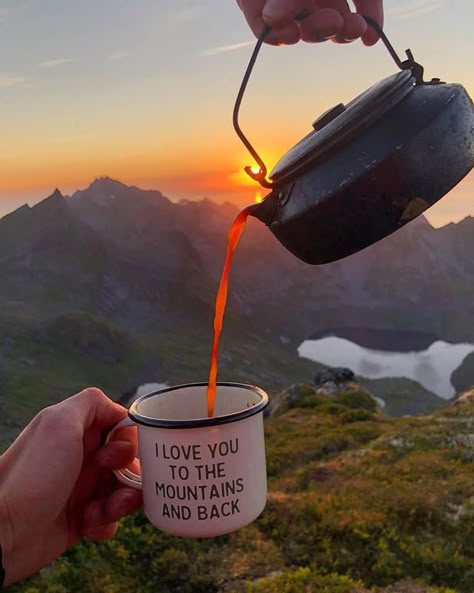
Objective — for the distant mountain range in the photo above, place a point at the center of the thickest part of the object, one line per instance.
(141, 273)
(131, 253)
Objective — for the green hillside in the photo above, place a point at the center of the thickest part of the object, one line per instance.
(358, 502)
(403, 396)
(43, 363)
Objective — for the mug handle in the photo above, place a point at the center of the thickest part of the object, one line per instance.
(125, 476)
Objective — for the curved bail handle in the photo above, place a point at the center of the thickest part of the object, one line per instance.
(409, 63)
(125, 476)
(261, 175)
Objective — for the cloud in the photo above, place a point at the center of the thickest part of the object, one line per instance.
(11, 80)
(58, 62)
(225, 48)
(413, 8)
(3, 14)
(117, 55)
(185, 14)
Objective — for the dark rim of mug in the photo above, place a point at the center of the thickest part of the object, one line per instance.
(135, 415)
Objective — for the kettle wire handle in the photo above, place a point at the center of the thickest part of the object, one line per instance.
(261, 175)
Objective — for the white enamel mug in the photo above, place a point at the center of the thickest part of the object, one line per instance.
(200, 476)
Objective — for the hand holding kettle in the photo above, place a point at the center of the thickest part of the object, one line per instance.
(313, 20)
(368, 166)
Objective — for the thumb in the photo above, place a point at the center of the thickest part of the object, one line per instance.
(92, 406)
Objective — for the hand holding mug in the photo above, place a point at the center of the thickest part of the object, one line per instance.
(200, 476)
(56, 484)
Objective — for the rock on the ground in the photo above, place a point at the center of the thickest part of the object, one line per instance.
(333, 375)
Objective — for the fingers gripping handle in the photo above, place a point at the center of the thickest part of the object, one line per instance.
(125, 476)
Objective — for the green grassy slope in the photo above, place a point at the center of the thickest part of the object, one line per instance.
(44, 364)
(45, 361)
(403, 396)
(357, 502)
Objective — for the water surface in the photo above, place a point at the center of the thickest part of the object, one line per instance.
(431, 367)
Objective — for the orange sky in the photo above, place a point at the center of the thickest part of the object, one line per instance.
(148, 99)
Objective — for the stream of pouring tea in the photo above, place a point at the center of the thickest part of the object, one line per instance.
(232, 241)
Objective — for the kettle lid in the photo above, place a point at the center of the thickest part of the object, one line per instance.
(337, 126)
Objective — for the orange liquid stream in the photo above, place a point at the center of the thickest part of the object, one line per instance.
(232, 241)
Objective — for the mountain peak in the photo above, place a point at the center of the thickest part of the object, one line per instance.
(421, 222)
(56, 195)
(106, 185)
(102, 189)
(55, 198)
(465, 222)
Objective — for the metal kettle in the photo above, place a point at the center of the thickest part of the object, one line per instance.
(369, 167)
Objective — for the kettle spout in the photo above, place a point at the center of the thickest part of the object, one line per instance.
(265, 210)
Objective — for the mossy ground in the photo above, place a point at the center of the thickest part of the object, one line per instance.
(357, 502)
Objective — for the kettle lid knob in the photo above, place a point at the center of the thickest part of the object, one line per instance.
(328, 116)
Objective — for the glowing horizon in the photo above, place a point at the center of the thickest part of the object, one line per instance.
(148, 100)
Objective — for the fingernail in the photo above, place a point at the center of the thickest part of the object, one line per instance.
(317, 38)
(341, 39)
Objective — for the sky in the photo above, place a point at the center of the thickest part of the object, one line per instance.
(143, 92)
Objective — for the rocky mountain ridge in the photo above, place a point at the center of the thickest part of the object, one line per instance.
(420, 278)
(119, 265)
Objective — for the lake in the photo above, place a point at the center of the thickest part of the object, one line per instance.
(377, 354)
